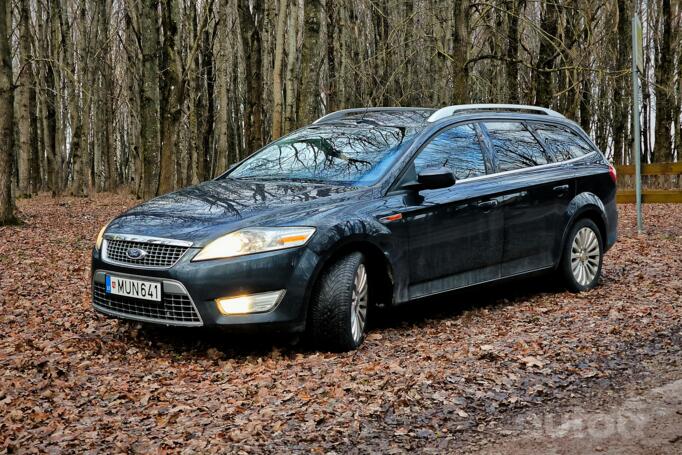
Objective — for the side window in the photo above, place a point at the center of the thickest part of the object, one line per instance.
(515, 146)
(562, 143)
(458, 148)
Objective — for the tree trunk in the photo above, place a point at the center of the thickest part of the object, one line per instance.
(381, 52)
(53, 156)
(105, 112)
(665, 100)
(74, 104)
(88, 41)
(512, 67)
(250, 20)
(460, 42)
(277, 71)
(207, 133)
(549, 23)
(586, 103)
(291, 79)
(132, 154)
(621, 103)
(235, 152)
(6, 120)
(678, 109)
(331, 58)
(172, 91)
(197, 111)
(223, 71)
(309, 96)
(149, 102)
(26, 107)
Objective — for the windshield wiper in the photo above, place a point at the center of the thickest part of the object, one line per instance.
(307, 180)
(272, 178)
(257, 177)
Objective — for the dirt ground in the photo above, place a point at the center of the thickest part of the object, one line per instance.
(646, 423)
(519, 367)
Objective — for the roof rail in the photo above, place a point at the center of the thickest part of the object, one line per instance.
(361, 110)
(462, 108)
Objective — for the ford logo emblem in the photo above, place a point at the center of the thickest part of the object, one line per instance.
(136, 253)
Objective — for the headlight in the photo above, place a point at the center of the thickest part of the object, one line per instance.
(100, 237)
(255, 240)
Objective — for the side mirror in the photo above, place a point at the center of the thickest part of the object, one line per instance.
(435, 178)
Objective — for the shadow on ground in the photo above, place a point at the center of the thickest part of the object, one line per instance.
(449, 305)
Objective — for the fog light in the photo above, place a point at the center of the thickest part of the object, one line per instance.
(253, 303)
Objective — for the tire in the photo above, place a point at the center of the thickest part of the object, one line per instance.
(338, 313)
(582, 257)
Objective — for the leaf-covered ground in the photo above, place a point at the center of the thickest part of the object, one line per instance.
(434, 375)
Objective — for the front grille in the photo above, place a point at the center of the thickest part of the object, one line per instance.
(172, 309)
(158, 255)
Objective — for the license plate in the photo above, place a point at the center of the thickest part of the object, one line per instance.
(147, 290)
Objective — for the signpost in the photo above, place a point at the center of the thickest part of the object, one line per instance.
(637, 66)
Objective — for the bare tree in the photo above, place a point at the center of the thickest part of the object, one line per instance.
(513, 8)
(549, 24)
(150, 97)
(26, 107)
(291, 79)
(460, 38)
(172, 90)
(309, 96)
(277, 94)
(251, 17)
(665, 79)
(6, 120)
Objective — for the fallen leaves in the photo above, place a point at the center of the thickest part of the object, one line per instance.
(531, 361)
(429, 375)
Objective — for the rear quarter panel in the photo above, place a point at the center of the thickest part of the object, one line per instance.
(597, 192)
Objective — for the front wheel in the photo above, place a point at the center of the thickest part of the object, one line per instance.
(582, 256)
(338, 311)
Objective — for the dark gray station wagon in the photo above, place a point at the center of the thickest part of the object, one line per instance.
(364, 207)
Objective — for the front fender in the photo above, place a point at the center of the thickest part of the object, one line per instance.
(354, 234)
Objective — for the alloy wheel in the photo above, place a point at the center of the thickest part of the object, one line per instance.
(585, 256)
(358, 311)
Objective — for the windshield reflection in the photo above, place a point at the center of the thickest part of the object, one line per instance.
(337, 154)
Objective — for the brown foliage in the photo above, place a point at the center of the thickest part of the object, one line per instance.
(429, 374)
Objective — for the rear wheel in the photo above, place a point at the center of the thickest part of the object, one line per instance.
(338, 311)
(582, 256)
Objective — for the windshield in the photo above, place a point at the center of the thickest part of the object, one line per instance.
(343, 155)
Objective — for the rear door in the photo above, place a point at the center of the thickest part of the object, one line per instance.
(534, 194)
(565, 146)
(455, 234)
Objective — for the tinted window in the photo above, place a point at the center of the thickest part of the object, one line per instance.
(562, 143)
(457, 148)
(348, 155)
(515, 146)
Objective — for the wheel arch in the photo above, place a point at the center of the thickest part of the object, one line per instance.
(379, 267)
(584, 205)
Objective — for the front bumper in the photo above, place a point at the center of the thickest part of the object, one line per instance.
(202, 282)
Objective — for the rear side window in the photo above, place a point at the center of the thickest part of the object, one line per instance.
(562, 143)
(457, 148)
(515, 146)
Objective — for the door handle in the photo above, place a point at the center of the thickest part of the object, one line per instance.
(487, 205)
(561, 189)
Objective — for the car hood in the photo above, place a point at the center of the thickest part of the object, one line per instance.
(205, 211)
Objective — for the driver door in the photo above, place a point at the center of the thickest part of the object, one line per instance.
(456, 233)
